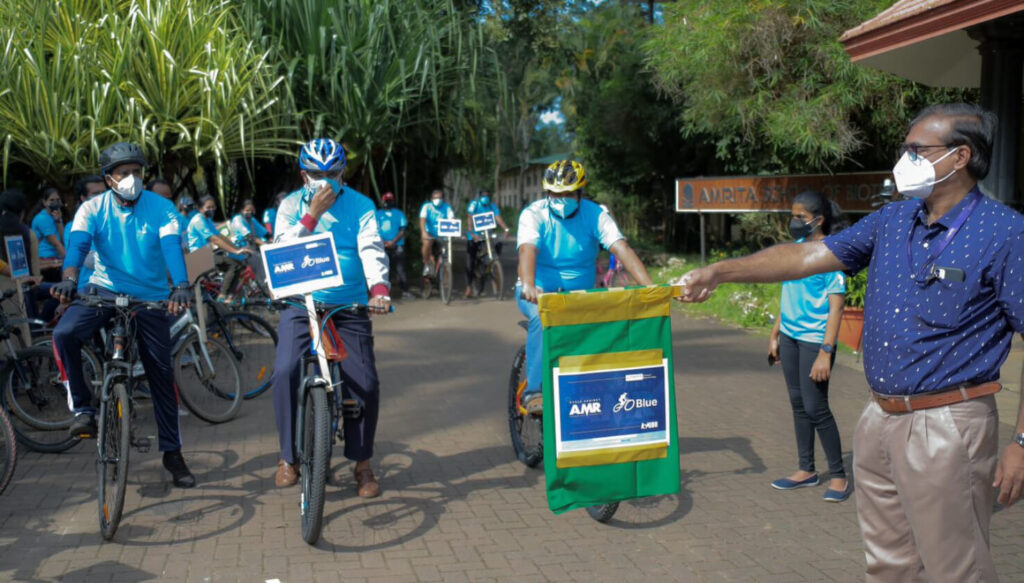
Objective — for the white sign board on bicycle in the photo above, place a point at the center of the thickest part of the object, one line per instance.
(16, 256)
(449, 228)
(484, 222)
(301, 266)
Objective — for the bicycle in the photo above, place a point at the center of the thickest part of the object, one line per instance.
(441, 271)
(8, 450)
(489, 269)
(252, 341)
(206, 372)
(527, 431)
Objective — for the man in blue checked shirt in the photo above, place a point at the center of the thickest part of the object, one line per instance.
(945, 296)
(136, 238)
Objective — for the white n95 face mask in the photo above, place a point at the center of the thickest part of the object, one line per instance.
(128, 188)
(917, 179)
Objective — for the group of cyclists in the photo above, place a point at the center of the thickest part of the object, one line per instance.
(130, 239)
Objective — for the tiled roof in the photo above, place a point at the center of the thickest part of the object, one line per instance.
(899, 11)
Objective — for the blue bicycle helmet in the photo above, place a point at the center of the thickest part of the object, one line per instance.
(322, 155)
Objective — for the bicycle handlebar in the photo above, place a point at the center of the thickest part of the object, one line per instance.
(121, 301)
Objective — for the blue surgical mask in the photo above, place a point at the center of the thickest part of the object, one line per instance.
(314, 185)
(563, 207)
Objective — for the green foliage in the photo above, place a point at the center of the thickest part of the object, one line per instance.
(771, 82)
(856, 289)
(179, 77)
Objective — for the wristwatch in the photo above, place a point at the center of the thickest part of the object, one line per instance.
(1019, 439)
(828, 348)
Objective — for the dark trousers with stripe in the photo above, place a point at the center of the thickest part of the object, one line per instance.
(358, 373)
(153, 340)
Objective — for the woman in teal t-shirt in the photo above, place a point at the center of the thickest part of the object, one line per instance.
(804, 341)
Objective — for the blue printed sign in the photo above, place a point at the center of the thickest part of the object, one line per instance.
(16, 256)
(484, 222)
(609, 409)
(301, 266)
(449, 228)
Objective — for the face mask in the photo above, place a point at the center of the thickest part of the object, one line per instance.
(563, 207)
(247, 216)
(436, 202)
(388, 204)
(485, 200)
(209, 213)
(128, 188)
(917, 179)
(54, 205)
(314, 186)
(799, 229)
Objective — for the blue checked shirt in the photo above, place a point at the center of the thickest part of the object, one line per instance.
(927, 336)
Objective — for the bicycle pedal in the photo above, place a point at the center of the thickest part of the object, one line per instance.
(142, 444)
(351, 409)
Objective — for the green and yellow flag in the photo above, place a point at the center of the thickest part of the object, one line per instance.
(610, 431)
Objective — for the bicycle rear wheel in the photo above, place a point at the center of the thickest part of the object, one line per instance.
(8, 450)
(497, 276)
(526, 430)
(211, 390)
(253, 342)
(114, 443)
(603, 512)
(33, 390)
(314, 452)
(444, 284)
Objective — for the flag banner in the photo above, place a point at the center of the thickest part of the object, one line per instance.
(610, 429)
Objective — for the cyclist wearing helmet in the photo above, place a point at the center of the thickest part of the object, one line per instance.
(433, 209)
(324, 205)
(135, 235)
(246, 229)
(559, 237)
(392, 224)
(481, 204)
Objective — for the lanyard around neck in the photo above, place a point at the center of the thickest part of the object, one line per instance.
(943, 243)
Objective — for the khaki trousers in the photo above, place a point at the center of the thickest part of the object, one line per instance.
(924, 491)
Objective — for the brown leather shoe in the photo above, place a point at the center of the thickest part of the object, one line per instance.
(366, 484)
(287, 474)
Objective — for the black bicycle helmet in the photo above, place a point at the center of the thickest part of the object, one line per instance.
(120, 153)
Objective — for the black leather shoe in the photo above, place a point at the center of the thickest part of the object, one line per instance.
(83, 426)
(179, 471)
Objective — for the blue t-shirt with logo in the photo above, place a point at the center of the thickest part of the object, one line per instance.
(390, 222)
(200, 229)
(352, 219)
(477, 207)
(803, 312)
(44, 225)
(128, 244)
(432, 213)
(242, 228)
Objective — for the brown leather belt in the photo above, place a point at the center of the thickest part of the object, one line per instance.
(941, 398)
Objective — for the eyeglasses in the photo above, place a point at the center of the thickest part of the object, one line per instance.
(915, 150)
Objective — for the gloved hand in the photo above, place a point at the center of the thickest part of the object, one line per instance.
(65, 290)
(181, 298)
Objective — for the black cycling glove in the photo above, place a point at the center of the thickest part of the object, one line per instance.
(65, 290)
(181, 294)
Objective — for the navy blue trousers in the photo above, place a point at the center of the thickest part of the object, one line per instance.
(153, 340)
(358, 373)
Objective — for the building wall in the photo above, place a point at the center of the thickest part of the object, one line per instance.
(508, 187)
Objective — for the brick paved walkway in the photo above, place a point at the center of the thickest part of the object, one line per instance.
(457, 506)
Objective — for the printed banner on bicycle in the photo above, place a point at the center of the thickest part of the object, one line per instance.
(301, 266)
(484, 222)
(449, 228)
(16, 256)
(609, 396)
(611, 408)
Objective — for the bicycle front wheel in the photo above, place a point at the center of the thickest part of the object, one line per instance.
(314, 451)
(253, 342)
(603, 512)
(525, 430)
(8, 450)
(113, 443)
(210, 388)
(497, 279)
(444, 284)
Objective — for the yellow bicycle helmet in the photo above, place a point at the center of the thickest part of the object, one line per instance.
(564, 176)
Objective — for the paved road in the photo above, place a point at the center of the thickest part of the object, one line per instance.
(457, 505)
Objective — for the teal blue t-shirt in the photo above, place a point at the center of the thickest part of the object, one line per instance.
(804, 305)
(200, 229)
(44, 226)
(390, 222)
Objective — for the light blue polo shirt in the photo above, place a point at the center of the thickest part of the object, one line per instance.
(242, 228)
(200, 229)
(390, 222)
(432, 213)
(351, 218)
(567, 248)
(127, 242)
(804, 305)
(44, 226)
